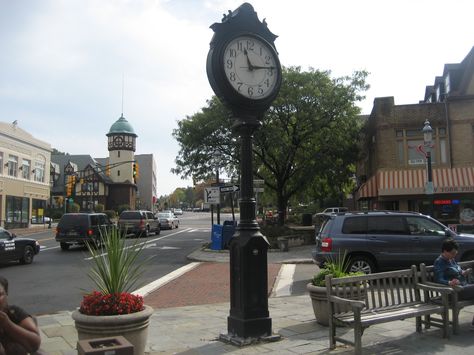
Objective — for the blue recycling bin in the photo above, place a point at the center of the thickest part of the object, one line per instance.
(216, 237)
(228, 230)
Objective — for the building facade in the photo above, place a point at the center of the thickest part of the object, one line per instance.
(24, 176)
(109, 181)
(393, 174)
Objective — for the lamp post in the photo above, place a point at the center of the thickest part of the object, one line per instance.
(53, 179)
(428, 143)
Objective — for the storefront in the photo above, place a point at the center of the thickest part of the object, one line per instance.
(451, 203)
(16, 212)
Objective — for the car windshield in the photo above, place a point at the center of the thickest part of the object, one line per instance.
(130, 215)
(73, 220)
(164, 215)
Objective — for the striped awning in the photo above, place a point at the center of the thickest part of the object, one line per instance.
(412, 182)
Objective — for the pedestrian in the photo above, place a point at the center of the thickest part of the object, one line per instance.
(448, 272)
(19, 334)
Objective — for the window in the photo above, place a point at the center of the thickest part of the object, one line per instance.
(118, 153)
(386, 225)
(25, 169)
(355, 225)
(411, 151)
(12, 165)
(424, 226)
(118, 172)
(39, 171)
(1, 162)
(447, 84)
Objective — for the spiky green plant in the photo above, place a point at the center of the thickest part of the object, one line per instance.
(337, 267)
(115, 266)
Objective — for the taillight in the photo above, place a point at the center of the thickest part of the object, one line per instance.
(142, 223)
(326, 244)
(89, 232)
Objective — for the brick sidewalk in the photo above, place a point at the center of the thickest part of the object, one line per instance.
(208, 283)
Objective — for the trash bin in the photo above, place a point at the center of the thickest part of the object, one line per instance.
(307, 219)
(216, 237)
(228, 230)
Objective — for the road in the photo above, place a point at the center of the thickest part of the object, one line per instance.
(57, 279)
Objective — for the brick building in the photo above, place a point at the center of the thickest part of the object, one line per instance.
(392, 173)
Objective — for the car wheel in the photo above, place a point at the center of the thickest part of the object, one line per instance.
(64, 246)
(28, 255)
(146, 233)
(158, 231)
(361, 264)
(177, 225)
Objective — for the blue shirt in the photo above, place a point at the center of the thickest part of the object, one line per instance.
(446, 270)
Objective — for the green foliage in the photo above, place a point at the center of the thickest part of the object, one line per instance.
(99, 208)
(115, 267)
(122, 208)
(272, 231)
(111, 213)
(336, 267)
(73, 208)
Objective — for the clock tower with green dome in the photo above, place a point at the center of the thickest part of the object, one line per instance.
(121, 146)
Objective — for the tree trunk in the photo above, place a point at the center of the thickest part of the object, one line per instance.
(282, 203)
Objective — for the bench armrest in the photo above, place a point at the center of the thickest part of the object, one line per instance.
(431, 286)
(346, 301)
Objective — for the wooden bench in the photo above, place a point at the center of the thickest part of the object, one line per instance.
(427, 277)
(361, 301)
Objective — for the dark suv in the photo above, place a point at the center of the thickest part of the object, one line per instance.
(140, 223)
(385, 240)
(79, 228)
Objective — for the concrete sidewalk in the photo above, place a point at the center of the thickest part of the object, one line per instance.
(194, 329)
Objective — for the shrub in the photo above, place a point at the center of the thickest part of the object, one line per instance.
(110, 213)
(336, 267)
(99, 208)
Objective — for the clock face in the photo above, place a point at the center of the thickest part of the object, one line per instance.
(251, 67)
(118, 140)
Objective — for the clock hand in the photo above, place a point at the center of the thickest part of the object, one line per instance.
(259, 67)
(251, 67)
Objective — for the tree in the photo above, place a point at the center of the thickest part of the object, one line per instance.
(308, 137)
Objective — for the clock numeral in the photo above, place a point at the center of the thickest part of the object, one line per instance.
(250, 91)
(270, 72)
(239, 85)
(250, 45)
(230, 64)
(260, 90)
(232, 53)
(261, 51)
(240, 47)
(268, 59)
(232, 76)
(267, 82)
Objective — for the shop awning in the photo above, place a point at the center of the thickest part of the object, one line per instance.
(412, 182)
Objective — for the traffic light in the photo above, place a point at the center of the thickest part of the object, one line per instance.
(107, 170)
(69, 186)
(135, 172)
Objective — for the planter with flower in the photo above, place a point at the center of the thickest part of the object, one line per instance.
(317, 287)
(112, 309)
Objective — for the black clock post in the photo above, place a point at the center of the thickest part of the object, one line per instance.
(245, 73)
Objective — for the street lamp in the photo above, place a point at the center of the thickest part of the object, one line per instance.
(428, 143)
(53, 179)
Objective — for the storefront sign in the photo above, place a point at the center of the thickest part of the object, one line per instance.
(456, 189)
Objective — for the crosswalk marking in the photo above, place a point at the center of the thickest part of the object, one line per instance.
(284, 281)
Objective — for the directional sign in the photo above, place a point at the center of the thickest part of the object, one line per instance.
(212, 195)
(258, 182)
(231, 188)
(258, 189)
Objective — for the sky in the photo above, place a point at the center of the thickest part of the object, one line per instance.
(64, 64)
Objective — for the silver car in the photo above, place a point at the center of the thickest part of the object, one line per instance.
(168, 220)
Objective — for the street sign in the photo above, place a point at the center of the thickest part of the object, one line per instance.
(231, 188)
(212, 195)
(258, 182)
(258, 189)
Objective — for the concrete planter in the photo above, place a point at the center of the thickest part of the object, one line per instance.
(320, 302)
(134, 327)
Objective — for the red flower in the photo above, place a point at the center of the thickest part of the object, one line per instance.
(99, 304)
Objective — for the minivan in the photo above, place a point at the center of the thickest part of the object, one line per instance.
(80, 228)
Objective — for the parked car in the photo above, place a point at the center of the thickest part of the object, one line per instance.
(178, 211)
(14, 248)
(80, 228)
(168, 220)
(40, 220)
(385, 240)
(139, 223)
